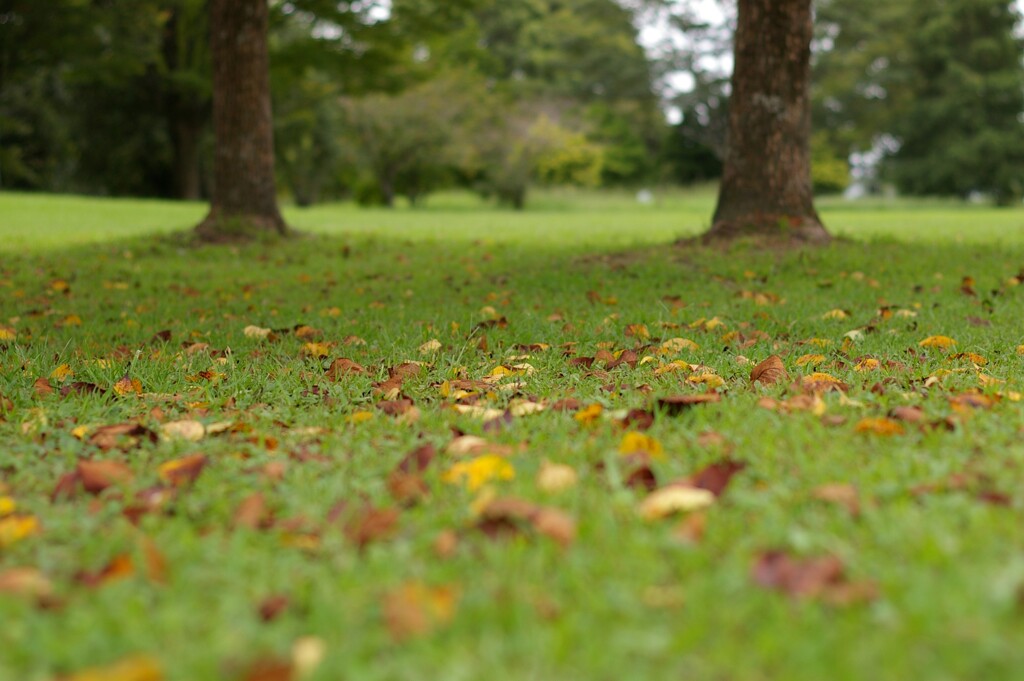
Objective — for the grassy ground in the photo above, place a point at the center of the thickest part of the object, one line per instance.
(922, 508)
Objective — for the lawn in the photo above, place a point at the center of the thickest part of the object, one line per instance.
(577, 481)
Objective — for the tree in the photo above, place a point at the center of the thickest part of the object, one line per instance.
(766, 181)
(962, 131)
(244, 192)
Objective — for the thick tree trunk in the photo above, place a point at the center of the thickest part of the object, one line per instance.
(244, 195)
(766, 181)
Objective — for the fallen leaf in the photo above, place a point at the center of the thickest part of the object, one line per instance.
(715, 477)
(820, 382)
(182, 471)
(879, 426)
(138, 668)
(810, 578)
(769, 372)
(674, 405)
(370, 523)
(98, 475)
(941, 342)
(119, 567)
(634, 443)
(415, 609)
(343, 366)
(256, 332)
(430, 347)
(550, 522)
(251, 513)
(189, 430)
(674, 499)
(476, 472)
(844, 495)
(14, 528)
(25, 581)
(554, 477)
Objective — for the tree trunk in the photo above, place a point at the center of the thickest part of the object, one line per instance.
(766, 181)
(244, 202)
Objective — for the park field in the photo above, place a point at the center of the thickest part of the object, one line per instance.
(458, 442)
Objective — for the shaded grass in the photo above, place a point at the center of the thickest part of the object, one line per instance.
(627, 599)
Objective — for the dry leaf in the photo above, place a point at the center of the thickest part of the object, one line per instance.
(138, 668)
(184, 470)
(97, 475)
(189, 430)
(769, 372)
(415, 609)
(673, 499)
(941, 342)
(555, 477)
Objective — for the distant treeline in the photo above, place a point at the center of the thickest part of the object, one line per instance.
(376, 103)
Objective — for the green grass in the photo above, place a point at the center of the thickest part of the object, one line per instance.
(627, 599)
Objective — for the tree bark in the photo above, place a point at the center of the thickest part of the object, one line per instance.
(766, 181)
(244, 201)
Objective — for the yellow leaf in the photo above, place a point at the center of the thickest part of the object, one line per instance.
(14, 528)
(430, 346)
(674, 499)
(985, 379)
(671, 367)
(713, 323)
(835, 314)
(317, 349)
(820, 378)
(555, 477)
(79, 432)
(633, 443)
(810, 359)
(255, 332)
(1020, 349)
(941, 342)
(589, 414)
(126, 385)
(140, 668)
(7, 334)
(710, 380)
(72, 320)
(359, 417)
(307, 654)
(820, 342)
(62, 372)
(415, 609)
(972, 357)
(525, 408)
(638, 331)
(475, 473)
(677, 345)
(879, 426)
(869, 364)
(7, 506)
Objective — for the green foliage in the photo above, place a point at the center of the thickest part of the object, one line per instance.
(830, 173)
(962, 131)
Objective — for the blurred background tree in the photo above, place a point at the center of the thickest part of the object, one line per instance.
(381, 100)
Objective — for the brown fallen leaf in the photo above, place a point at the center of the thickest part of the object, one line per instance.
(415, 609)
(156, 562)
(98, 475)
(550, 522)
(343, 366)
(715, 477)
(674, 405)
(405, 482)
(122, 436)
(842, 494)
(42, 387)
(820, 577)
(370, 523)
(25, 581)
(769, 372)
(182, 471)
(271, 607)
(908, 414)
(251, 513)
(119, 567)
